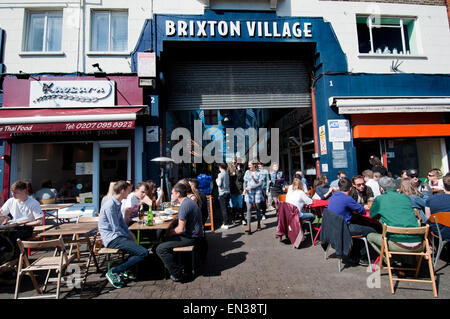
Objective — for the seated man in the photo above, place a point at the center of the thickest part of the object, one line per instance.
(340, 174)
(22, 209)
(371, 180)
(115, 234)
(360, 191)
(343, 204)
(188, 231)
(130, 205)
(46, 191)
(439, 203)
(394, 209)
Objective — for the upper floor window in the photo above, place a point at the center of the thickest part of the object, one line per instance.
(386, 35)
(109, 31)
(43, 31)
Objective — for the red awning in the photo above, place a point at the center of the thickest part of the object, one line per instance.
(29, 120)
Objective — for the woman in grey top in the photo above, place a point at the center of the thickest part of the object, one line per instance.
(253, 193)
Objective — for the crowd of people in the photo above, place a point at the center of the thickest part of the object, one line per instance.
(242, 190)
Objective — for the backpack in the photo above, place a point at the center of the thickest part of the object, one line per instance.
(204, 182)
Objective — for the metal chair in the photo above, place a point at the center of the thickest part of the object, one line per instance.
(442, 218)
(425, 253)
(57, 263)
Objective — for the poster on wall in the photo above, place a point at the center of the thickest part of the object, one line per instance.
(323, 141)
(146, 64)
(83, 168)
(151, 133)
(338, 131)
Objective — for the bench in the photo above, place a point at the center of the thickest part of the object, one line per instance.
(108, 252)
(188, 249)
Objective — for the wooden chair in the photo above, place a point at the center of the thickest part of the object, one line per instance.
(426, 253)
(442, 218)
(211, 213)
(57, 263)
(419, 218)
(47, 201)
(94, 240)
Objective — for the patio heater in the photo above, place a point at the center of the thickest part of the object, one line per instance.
(164, 163)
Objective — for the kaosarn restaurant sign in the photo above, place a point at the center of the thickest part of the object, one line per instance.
(72, 93)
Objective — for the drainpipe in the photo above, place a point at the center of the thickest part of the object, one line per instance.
(315, 128)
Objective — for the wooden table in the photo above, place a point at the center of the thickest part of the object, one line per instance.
(76, 230)
(138, 227)
(54, 207)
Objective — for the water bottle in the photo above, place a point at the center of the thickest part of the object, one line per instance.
(150, 216)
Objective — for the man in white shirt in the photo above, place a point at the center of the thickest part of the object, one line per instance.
(130, 206)
(371, 179)
(340, 174)
(21, 209)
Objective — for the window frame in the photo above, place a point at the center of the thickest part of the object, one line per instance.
(27, 38)
(109, 50)
(403, 21)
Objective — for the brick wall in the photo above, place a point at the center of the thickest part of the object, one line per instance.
(423, 2)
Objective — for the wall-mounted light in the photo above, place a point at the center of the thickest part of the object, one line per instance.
(99, 73)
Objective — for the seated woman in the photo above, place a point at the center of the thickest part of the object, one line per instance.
(321, 188)
(150, 196)
(407, 188)
(296, 196)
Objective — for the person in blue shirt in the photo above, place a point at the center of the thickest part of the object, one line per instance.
(343, 204)
(115, 234)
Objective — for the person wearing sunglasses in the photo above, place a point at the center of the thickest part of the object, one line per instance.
(423, 189)
(360, 191)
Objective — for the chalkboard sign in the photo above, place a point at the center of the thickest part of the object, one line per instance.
(209, 204)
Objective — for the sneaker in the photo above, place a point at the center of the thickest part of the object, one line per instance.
(224, 226)
(114, 279)
(127, 275)
(363, 262)
(175, 279)
(244, 222)
(263, 217)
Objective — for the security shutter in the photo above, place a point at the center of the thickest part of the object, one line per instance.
(237, 84)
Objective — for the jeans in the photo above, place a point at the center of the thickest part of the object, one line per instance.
(165, 253)
(137, 252)
(249, 211)
(359, 249)
(310, 216)
(223, 202)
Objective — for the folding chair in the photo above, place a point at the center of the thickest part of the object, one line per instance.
(442, 218)
(426, 253)
(361, 237)
(93, 240)
(57, 263)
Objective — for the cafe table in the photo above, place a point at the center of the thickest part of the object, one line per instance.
(139, 226)
(80, 233)
(317, 208)
(47, 208)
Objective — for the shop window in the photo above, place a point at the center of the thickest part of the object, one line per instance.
(109, 31)
(43, 31)
(68, 166)
(383, 35)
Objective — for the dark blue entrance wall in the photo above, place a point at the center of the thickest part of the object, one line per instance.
(360, 85)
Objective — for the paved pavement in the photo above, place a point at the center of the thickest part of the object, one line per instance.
(241, 266)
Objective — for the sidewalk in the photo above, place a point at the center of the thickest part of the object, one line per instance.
(241, 266)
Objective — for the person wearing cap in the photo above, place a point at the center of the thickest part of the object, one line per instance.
(394, 209)
(423, 189)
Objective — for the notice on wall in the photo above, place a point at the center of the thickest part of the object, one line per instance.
(339, 158)
(83, 168)
(325, 168)
(338, 131)
(338, 145)
(146, 64)
(323, 140)
(151, 133)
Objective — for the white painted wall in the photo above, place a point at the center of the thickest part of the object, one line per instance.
(76, 38)
(432, 26)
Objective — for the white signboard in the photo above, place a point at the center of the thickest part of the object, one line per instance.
(72, 93)
(151, 133)
(338, 131)
(146, 64)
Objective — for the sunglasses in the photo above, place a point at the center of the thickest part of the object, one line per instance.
(362, 184)
(430, 175)
(413, 176)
